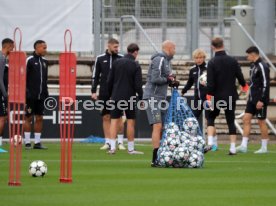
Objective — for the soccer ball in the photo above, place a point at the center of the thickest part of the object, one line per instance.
(38, 168)
(196, 159)
(171, 143)
(181, 154)
(16, 140)
(190, 125)
(166, 158)
(203, 79)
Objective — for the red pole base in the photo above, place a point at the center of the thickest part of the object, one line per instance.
(14, 183)
(65, 180)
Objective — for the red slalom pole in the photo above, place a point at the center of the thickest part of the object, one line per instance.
(16, 104)
(67, 98)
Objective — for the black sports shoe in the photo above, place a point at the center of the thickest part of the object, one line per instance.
(155, 164)
(28, 146)
(39, 146)
(207, 148)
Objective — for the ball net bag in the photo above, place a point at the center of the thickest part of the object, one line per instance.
(182, 144)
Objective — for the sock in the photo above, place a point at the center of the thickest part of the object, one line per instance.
(1, 138)
(215, 140)
(112, 143)
(233, 147)
(154, 154)
(27, 137)
(210, 140)
(120, 138)
(130, 146)
(107, 141)
(244, 141)
(264, 143)
(37, 137)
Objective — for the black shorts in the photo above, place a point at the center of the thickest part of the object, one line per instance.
(119, 111)
(34, 107)
(3, 107)
(260, 113)
(102, 103)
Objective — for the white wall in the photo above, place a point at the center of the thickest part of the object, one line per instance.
(48, 20)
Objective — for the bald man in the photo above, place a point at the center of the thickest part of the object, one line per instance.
(158, 78)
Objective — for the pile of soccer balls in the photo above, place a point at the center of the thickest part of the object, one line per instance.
(182, 147)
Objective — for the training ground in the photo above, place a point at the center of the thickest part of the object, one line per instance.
(100, 179)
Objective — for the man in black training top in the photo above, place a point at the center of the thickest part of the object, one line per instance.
(124, 82)
(37, 92)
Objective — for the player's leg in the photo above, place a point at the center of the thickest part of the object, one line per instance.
(28, 123)
(230, 119)
(120, 135)
(249, 112)
(212, 114)
(106, 129)
(38, 124)
(130, 115)
(3, 118)
(261, 115)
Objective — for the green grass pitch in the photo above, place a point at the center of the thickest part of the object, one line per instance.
(101, 179)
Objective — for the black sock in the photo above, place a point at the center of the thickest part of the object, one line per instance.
(154, 154)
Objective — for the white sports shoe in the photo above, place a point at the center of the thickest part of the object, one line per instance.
(134, 152)
(121, 146)
(241, 149)
(111, 152)
(106, 146)
(261, 151)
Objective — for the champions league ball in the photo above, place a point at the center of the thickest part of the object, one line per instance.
(196, 159)
(203, 79)
(38, 168)
(181, 154)
(166, 158)
(171, 143)
(190, 125)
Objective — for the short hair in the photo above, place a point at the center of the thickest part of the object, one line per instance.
(38, 42)
(7, 41)
(113, 41)
(199, 52)
(217, 42)
(252, 49)
(131, 48)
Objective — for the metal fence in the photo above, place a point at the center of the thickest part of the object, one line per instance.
(164, 19)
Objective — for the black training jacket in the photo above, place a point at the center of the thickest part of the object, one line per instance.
(222, 72)
(259, 82)
(200, 91)
(37, 77)
(125, 79)
(103, 64)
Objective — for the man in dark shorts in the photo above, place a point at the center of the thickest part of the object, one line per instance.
(7, 47)
(103, 65)
(257, 101)
(124, 82)
(37, 92)
(222, 72)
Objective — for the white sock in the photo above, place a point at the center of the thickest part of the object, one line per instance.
(37, 137)
(112, 144)
(27, 137)
(210, 140)
(130, 146)
(264, 143)
(1, 138)
(244, 141)
(107, 141)
(120, 138)
(233, 147)
(215, 140)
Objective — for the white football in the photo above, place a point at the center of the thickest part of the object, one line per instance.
(38, 168)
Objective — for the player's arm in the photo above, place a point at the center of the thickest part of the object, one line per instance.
(264, 70)
(189, 84)
(211, 84)
(2, 86)
(156, 71)
(138, 81)
(110, 79)
(95, 77)
(239, 75)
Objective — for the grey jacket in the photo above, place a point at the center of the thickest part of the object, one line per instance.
(159, 70)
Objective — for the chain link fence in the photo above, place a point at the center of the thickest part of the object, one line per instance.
(166, 19)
